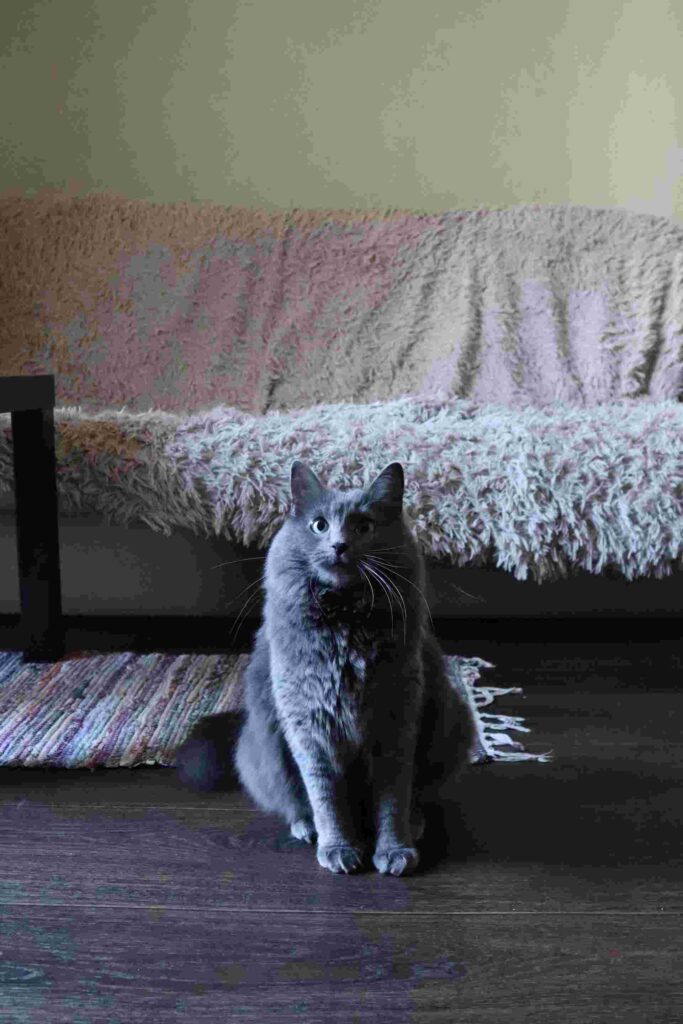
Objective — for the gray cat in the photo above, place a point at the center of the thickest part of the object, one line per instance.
(351, 721)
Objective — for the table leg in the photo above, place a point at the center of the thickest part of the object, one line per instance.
(35, 481)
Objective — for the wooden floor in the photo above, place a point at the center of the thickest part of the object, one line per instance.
(548, 892)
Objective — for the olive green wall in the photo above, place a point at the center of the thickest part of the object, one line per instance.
(416, 104)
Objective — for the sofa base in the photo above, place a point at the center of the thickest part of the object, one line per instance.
(108, 570)
(134, 572)
(485, 638)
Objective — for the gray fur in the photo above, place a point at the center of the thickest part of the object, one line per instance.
(350, 718)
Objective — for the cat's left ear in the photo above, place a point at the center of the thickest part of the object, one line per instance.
(305, 486)
(387, 489)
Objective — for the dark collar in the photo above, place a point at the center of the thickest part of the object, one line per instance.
(348, 602)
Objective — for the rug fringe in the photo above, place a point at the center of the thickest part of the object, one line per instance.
(490, 728)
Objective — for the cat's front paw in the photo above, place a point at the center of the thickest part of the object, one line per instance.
(340, 859)
(303, 829)
(396, 860)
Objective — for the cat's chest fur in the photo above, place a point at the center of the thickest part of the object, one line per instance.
(325, 684)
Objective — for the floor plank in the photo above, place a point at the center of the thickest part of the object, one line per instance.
(151, 962)
(546, 891)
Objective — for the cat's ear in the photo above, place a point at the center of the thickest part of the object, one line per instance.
(387, 489)
(305, 485)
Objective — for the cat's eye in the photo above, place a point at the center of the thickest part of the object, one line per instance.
(365, 526)
(319, 525)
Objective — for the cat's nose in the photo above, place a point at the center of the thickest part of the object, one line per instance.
(340, 547)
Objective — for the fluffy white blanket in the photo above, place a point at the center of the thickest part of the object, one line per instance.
(534, 491)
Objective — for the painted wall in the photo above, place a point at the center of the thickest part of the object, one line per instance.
(416, 104)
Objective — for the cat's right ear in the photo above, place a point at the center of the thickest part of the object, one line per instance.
(305, 486)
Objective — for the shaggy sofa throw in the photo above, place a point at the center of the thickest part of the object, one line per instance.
(182, 307)
(535, 491)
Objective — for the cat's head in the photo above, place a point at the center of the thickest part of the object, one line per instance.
(334, 530)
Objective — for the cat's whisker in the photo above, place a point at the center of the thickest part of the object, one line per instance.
(237, 626)
(376, 575)
(372, 589)
(383, 561)
(253, 596)
(256, 558)
(414, 586)
(254, 583)
(243, 613)
(380, 576)
(475, 597)
(372, 554)
(393, 571)
(398, 593)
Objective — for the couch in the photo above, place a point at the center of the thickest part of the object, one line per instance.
(525, 365)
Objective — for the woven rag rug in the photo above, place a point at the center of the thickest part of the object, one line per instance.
(122, 710)
(537, 492)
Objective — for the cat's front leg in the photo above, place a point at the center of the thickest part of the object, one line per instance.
(395, 852)
(338, 847)
(393, 769)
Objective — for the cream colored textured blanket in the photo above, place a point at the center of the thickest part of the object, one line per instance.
(183, 307)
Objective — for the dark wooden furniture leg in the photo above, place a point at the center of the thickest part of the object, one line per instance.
(35, 480)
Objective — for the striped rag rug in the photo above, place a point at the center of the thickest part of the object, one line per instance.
(124, 709)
